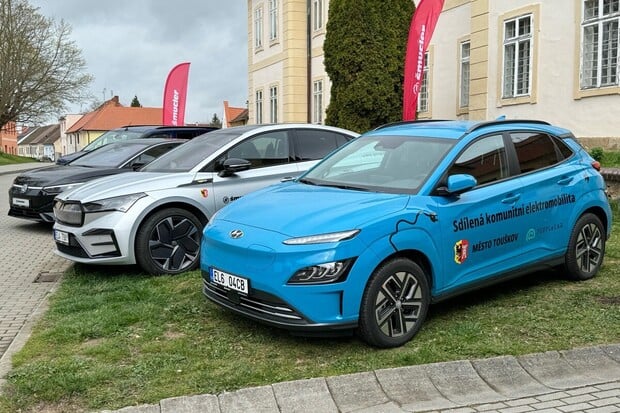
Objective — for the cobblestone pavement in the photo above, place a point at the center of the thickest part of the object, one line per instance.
(27, 251)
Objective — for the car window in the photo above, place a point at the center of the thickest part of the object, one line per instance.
(535, 150)
(112, 136)
(191, 154)
(110, 156)
(485, 159)
(315, 144)
(188, 134)
(390, 164)
(162, 135)
(151, 154)
(267, 149)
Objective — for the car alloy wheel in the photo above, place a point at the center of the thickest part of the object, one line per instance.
(586, 248)
(395, 304)
(168, 242)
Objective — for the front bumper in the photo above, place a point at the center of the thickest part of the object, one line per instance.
(268, 309)
(104, 238)
(33, 204)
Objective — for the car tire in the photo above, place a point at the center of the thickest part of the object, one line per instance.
(394, 304)
(168, 242)
(586, 248)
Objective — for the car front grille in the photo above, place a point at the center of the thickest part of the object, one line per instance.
(258, 304)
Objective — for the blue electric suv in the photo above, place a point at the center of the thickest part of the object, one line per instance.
(404, 216)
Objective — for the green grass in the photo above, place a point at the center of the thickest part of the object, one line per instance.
(611, 159)
(112, 338)
(7, 159)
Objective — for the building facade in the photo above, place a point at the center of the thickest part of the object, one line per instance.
(555, 60)
(8, 138)
(286, 76)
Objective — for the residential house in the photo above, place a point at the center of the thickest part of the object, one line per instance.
(8, 138)
(286, 76)
(110, 115)
(38, 142)
(67, 143)
(234, 116)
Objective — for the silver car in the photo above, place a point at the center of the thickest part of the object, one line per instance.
(155, 218)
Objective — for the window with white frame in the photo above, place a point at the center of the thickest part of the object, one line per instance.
(273, 104)
(600, 37)
(317, 102)
(273, 20)
(258, 27)
(317, 14)
(464, 75)
(259, 107)
(423, 96)
(517, 56)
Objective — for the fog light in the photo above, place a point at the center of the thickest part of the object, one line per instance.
(325, 273)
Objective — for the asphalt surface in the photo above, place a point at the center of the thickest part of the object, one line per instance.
(577, 380)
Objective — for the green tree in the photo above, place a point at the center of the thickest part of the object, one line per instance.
(135, 103)
(41, 68)
(215, 121)
(364, 50)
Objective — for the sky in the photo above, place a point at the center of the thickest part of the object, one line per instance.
(130, 46)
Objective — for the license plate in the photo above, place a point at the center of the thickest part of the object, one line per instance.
(21, 202)
(230, 281)
(61, 236)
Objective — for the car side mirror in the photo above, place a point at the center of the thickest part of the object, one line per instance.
(457, 184)
(233, 165)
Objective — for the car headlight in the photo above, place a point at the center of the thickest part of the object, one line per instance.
(56, 189)
(68, 212)
(323, 238)
(117, 203)
(325, 273)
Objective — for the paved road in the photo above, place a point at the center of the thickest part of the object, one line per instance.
(27, 251)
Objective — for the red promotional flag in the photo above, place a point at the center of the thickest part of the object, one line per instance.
(175, 92)
(421, 30)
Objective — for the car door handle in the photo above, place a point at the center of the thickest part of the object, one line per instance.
(565, 180)
(511, 199)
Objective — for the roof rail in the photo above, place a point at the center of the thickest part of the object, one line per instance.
(503, 122)
(407, 122)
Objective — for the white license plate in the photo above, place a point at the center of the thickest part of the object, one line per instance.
(61, 236)
(21, 202)
(230, 281)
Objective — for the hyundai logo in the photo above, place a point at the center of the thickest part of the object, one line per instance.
(236, 233)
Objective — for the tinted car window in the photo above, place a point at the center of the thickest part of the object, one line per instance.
(312, 145)
(188, 134)
(534, 150)
(485, 159)
(267, 149)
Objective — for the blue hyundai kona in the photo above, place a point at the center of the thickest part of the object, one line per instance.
(404, 216)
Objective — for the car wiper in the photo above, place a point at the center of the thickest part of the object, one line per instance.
(307, 181)
(343, 186)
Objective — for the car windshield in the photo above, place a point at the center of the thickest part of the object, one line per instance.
(189, 155)
(111, 156)
(112, 136)
(391, 164)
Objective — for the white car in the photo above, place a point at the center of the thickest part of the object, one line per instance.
(154, 218)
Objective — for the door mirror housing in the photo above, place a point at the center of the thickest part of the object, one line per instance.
(233, 165)
(457, 184)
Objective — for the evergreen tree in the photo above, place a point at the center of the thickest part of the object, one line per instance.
(215, 121)
(364, 50)
(135, 103)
